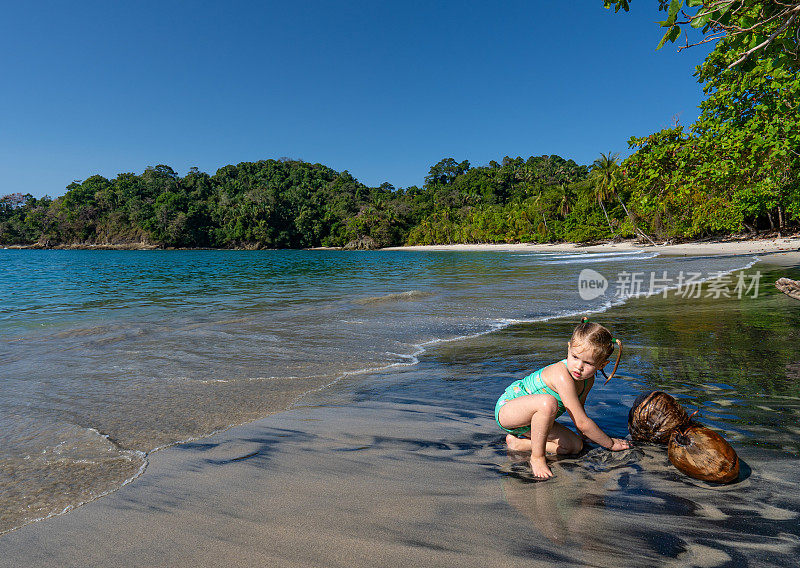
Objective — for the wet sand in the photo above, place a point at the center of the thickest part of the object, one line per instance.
(366, 486)
(407, 467)
(388, 484)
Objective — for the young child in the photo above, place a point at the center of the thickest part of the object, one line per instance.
(528, 408)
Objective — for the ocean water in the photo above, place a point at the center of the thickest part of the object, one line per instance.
(106, 356)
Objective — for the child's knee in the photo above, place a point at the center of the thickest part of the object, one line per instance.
(548, 405)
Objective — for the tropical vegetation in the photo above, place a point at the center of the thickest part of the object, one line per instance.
(735, 169)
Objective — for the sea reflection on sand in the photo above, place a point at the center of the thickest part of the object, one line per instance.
(735, 362)
(633, 508)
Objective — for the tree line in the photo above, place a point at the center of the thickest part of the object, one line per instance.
(735, 169)
(293, 204)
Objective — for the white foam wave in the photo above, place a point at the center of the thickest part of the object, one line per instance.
(503, 323)
(589, 254)
(587, 257)
(590, 259)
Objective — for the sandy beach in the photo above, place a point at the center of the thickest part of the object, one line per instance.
(782, 251)
(775, 250)
(373, 485)
(407, 466)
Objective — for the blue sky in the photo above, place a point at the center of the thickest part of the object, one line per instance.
(383, 90)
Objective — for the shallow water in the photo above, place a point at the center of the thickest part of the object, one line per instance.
(736, 361)
(107, 355)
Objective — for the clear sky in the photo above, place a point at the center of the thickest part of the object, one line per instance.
(383, 90)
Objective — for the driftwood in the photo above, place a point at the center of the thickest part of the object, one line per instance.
(789, 287)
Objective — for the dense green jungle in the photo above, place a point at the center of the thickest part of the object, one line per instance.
(735, 169)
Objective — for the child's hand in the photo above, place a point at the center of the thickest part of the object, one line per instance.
(620, 444)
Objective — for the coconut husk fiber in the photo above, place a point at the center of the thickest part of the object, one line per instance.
(789, 287)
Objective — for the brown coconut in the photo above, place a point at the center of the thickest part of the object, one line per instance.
(654, 416)
(701, 453)
(789, 287)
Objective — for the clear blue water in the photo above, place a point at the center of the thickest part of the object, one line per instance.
(107, 355)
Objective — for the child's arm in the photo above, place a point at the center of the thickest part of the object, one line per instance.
(565, 387)
(589, 385)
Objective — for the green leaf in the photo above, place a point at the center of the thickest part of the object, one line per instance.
(726, 7)
(723, 16)
(674, 8)
(701, 20)
(618, 5)
(671, 35)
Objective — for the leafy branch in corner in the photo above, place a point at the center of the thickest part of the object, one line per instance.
(760, 28)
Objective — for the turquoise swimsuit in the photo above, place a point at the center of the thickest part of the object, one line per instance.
(532, 384)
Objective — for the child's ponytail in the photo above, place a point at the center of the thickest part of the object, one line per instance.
(616, 364)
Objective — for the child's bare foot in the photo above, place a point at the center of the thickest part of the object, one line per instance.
(518, 444)
(539, 468)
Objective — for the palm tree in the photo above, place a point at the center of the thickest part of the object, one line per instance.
(605, 172)
(540, 210)
(605, 179)
(565, 203)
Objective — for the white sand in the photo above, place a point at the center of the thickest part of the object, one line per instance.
(733, 246)
(783, 251)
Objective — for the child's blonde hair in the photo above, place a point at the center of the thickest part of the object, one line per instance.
(596, 338)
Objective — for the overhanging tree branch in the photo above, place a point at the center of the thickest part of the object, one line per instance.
(766, 42)
(748, 26)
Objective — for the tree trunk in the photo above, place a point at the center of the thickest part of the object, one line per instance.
(781, 223)
(610, 228)
(633, 221)
(643, 234)
(628, 213)
(771, 222)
